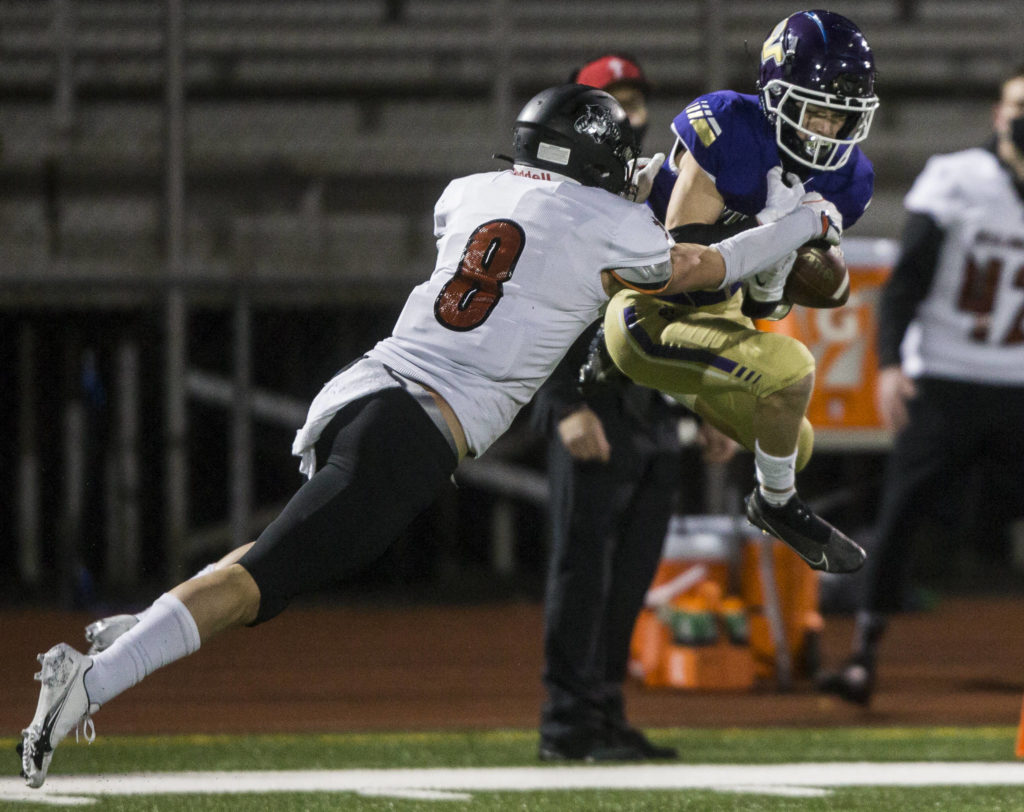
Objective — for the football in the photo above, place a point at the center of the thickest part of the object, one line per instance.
(819, 277)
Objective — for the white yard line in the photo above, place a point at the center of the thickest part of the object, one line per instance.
(793, 780)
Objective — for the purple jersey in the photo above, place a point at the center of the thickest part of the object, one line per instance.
(730, 138)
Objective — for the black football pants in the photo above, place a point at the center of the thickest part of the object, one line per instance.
(608, 529)
(955, 427)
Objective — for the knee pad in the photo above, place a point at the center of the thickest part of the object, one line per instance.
(785, 359)
(616, 338)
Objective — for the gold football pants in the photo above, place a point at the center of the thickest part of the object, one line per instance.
(712, 359)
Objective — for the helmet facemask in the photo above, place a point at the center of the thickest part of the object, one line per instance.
(786, 106)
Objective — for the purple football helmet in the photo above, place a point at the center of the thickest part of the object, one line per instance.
(817, 59)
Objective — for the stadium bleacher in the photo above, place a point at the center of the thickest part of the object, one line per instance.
(339, 93)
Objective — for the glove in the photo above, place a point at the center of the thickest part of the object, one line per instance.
(831, 219)
(763, 291)
(644, 172)
(784, 195)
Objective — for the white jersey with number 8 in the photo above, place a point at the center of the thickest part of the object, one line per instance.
(518, 278)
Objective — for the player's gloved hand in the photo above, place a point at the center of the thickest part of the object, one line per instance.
(784, 194)
(831, 221)
(763, 292)
(644, 172)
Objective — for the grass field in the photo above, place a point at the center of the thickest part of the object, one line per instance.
(762, 769)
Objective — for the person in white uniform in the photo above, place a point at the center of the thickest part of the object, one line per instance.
(527, 257)
(951, 367)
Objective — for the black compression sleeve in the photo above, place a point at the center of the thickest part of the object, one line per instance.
(908, 285)
(708, 233)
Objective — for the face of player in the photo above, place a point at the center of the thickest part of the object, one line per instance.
(1009, 109)
(1011, 104)
(822, 121)
(634, 102)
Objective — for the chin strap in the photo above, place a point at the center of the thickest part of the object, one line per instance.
(644, 171)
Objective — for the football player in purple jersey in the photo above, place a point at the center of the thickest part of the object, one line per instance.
(814, 105)
(951, 368)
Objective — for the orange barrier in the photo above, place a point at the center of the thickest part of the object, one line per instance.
(698, 640)
(713, 632)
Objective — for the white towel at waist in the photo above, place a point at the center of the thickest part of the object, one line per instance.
(360, 378)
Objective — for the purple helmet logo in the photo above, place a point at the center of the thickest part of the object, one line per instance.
(817, 63)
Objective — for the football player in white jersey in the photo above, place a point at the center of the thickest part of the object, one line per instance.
(951, 357)
(526, 259)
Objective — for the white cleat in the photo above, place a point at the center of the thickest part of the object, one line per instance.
(63, 704)
(102, 633)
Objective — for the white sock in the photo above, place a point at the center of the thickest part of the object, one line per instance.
(166, 633)
(775, 473)
(208, 568)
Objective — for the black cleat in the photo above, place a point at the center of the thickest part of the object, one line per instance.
(649, 751)
(590, 751)
(854, 683)
(811, 537)
(613, 744)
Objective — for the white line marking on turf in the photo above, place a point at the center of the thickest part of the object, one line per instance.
(776, 789)
(43, 798)
(416, 794)
(792, 780)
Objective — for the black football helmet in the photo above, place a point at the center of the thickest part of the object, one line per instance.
(580, 132)
(817, 58)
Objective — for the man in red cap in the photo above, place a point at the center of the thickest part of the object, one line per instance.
(621, 76)
(613, 469)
